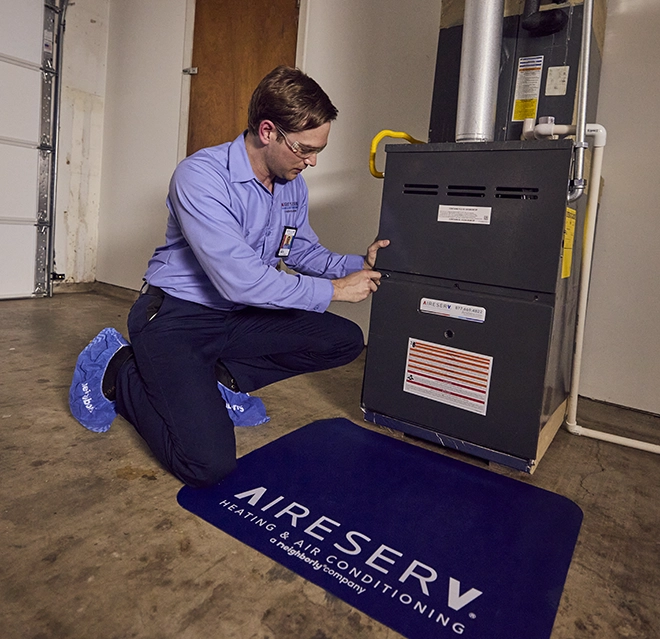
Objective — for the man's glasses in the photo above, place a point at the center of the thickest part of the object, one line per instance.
(301, 150)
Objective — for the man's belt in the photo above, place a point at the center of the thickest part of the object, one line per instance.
(153, 290)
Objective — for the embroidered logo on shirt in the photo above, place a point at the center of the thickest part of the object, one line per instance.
(289, 207)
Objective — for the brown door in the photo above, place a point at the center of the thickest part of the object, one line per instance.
(235, 44)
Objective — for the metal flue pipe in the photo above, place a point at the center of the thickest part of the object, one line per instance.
(480, 66)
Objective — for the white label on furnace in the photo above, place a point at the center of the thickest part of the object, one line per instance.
(557, 81)
(448, 375)
(464, 214)
(451, 309)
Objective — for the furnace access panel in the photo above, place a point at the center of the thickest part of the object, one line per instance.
(471, 330)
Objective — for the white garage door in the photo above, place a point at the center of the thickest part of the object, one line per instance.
(28, 79)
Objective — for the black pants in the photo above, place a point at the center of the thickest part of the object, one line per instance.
(169, 391)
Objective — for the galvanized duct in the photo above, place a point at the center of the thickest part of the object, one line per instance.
(480, 64)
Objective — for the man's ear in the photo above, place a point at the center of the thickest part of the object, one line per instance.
(267, 132)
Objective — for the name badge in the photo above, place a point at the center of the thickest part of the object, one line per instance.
(286, 241)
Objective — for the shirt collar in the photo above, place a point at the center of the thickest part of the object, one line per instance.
(240, 169)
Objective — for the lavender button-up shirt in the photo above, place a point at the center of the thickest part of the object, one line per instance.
(224, 232)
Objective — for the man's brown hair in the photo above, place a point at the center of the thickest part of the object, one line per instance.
(291, 100)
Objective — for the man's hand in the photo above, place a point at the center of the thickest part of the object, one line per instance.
(356, 286)
(372, 251)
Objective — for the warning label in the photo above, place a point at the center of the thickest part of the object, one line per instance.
(448, 375)
(567, 245)
(528, 87)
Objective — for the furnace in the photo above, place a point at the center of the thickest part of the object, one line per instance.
(472, 331)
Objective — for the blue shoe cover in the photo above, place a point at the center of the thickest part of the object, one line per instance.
(244, 409)
(86, 400)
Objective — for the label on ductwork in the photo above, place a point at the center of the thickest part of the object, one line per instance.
(448, 375)
(528, 88)
(452, 309)
(464, 214)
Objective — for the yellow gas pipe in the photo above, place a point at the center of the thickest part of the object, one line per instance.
(386, 133)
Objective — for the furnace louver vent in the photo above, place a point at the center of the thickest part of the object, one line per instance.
(420, 189)
(516, 193)
(465, 191)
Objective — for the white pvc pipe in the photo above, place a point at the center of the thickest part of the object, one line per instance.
(549, 130)
(575, 429)
(599, 135)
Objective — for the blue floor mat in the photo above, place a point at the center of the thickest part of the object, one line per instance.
(425, 544)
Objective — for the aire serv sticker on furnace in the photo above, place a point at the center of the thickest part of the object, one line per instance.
(452, 309)
(448, 375)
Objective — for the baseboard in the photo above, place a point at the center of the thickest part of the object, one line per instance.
(101, 288)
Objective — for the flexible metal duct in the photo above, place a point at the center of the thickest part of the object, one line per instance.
(480, 65)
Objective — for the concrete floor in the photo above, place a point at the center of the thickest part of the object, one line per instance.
(94, 545)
